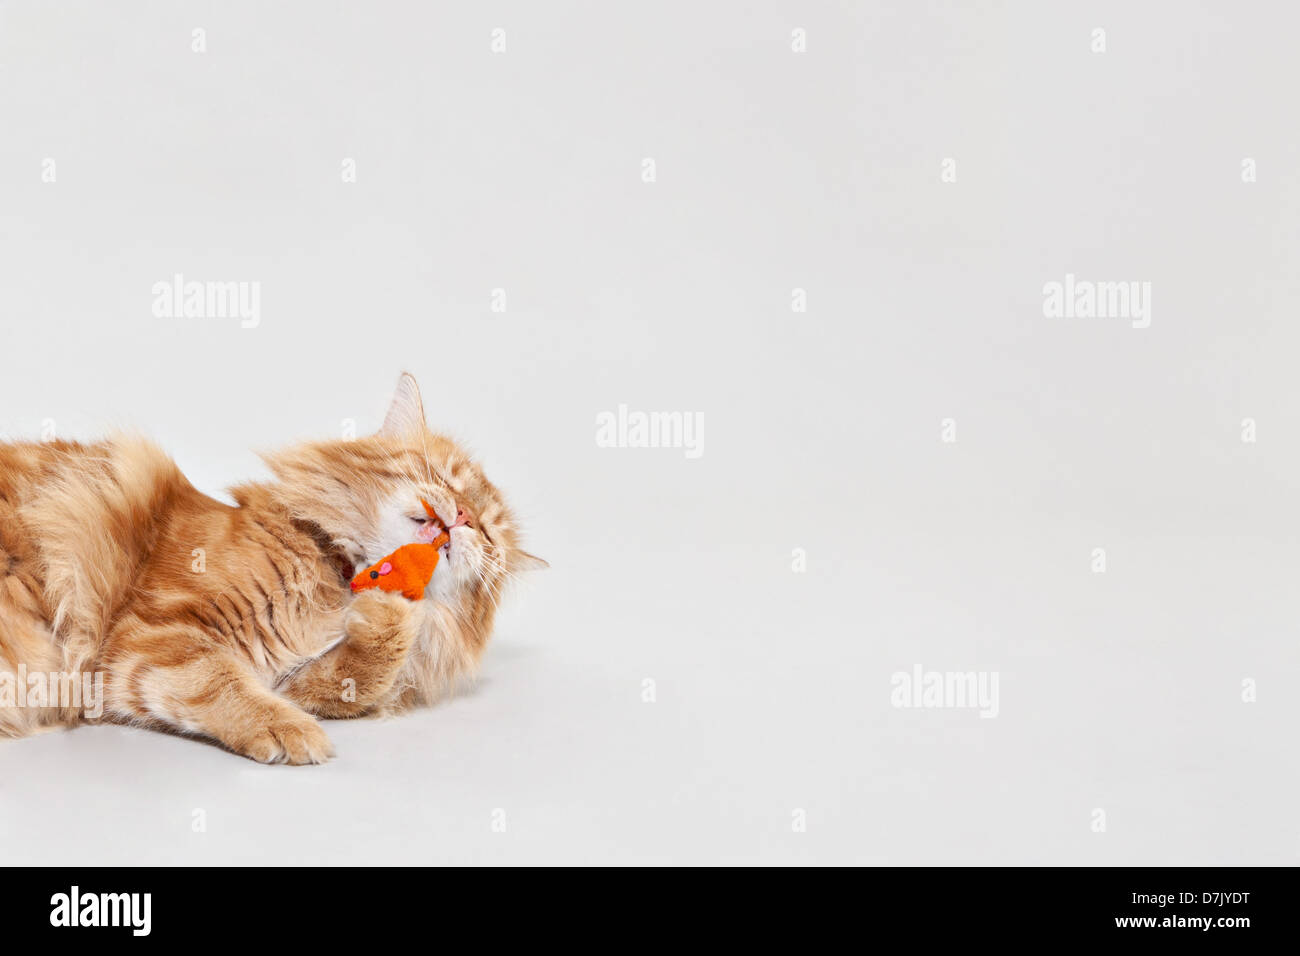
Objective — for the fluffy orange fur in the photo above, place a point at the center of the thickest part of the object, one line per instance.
(237, 623)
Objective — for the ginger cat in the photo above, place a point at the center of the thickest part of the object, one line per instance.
(238, 623)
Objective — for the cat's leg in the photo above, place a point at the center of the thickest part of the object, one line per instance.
(179, 678)
(351, 678)
(27, 653)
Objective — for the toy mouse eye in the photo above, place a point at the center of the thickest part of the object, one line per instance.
(373, 575)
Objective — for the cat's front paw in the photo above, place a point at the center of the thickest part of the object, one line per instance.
(292, 738)
(380, 632)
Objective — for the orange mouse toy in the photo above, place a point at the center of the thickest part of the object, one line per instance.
(409, 569)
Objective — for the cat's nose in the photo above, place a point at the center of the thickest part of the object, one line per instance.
(462, 518)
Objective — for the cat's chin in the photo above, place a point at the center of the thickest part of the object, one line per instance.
(442, 587)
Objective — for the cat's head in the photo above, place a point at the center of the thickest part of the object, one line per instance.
(367, 495)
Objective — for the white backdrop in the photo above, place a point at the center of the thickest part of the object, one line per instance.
(836, 255)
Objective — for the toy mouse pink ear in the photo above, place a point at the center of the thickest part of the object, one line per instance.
(386, 568)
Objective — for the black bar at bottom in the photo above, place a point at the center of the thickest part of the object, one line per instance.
(1176, 905)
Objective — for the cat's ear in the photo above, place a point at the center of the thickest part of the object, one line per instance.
(406, 413)
(529, 562)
